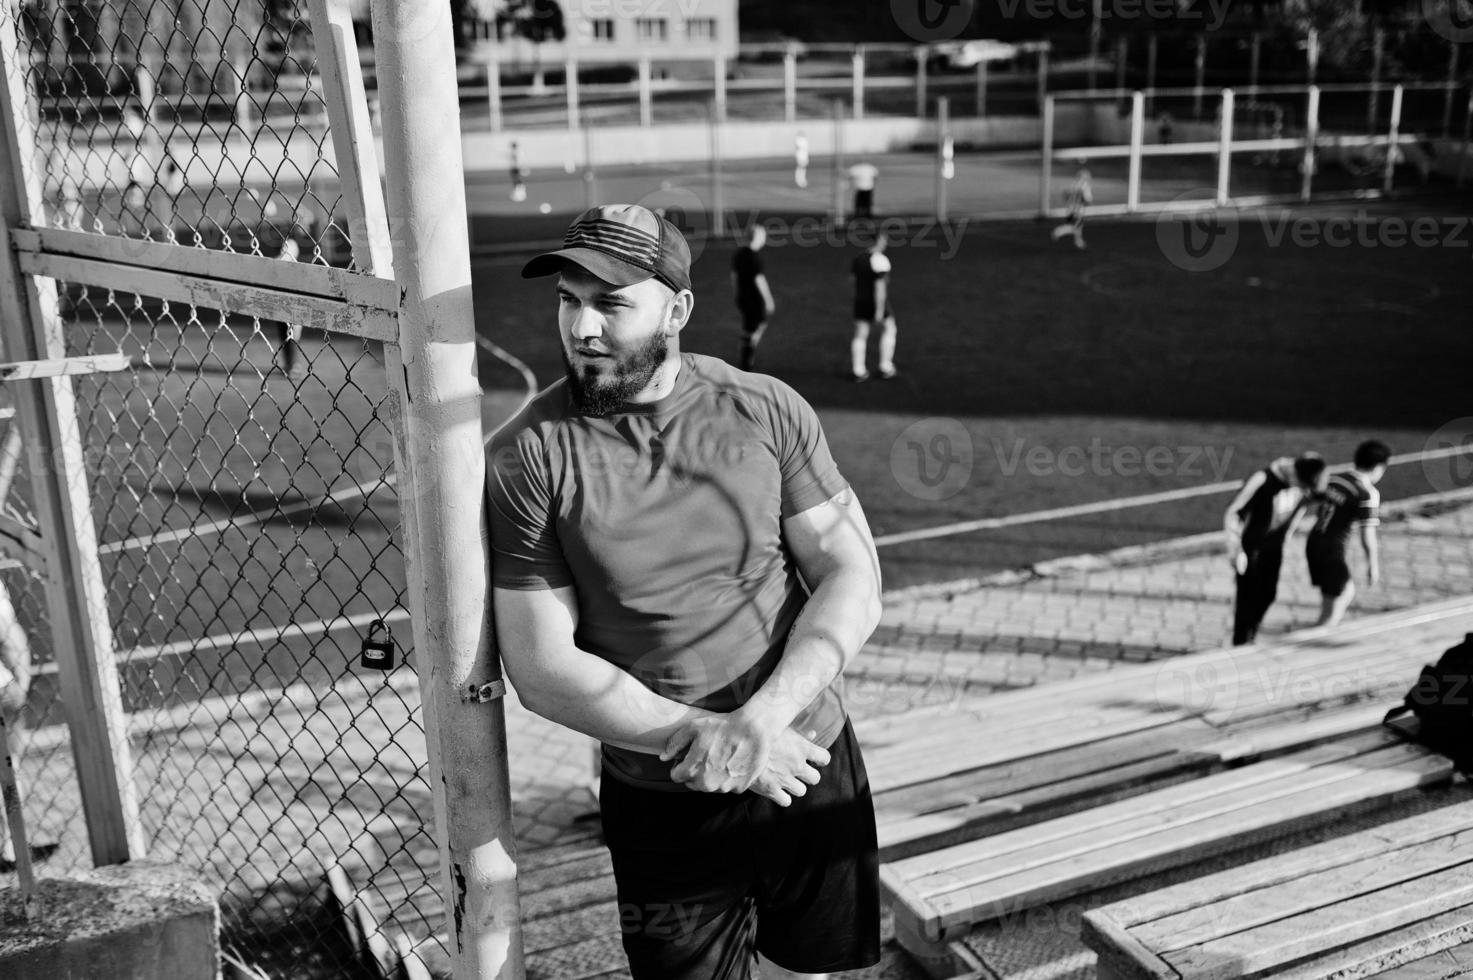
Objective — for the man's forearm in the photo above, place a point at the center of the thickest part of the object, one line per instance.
(838, 618)
(592, 696)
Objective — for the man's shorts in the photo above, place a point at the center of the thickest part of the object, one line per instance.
(866, 312)
(1328, 570)
(704, 878)
(753, 316)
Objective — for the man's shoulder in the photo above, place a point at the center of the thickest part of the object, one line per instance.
(759, 390)
(536, 420)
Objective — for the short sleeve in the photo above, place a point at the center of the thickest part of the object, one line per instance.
(1369, 512)
(525, 552)
(809, 474)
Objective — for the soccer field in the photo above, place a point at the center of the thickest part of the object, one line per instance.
(1054, 377)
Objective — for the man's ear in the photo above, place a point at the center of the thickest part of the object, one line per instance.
(680, 310)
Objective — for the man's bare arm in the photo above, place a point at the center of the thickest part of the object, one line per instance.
(836, 556)
(561, 682)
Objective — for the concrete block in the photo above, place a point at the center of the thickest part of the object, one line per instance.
(137, 921)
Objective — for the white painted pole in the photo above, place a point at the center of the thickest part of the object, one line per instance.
(493, 94)
(441, 466)
(856, 69)
(981, 90)
(1094, 45)
(46, 410)
(921, 60)
(1137, 140)
(718, 74)
(570, 85)
(718, 193)
(790, 85)
(1311, 137)
(1311, 55)
(1225, 148)
(943, 142)
(1046, 174)
(646, 104)
(837, 163)
(1388, 180)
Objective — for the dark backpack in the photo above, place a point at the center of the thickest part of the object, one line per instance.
(1442, 700)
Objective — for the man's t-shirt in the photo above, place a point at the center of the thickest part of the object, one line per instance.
(1348, 502)
(1267, 513)
(665, 518)
(747, 265)
(868, 269)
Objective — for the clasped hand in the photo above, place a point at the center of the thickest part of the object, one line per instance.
(732, 754)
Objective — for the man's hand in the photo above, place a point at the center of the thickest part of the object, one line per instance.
(730, 754)
(1373, 576)
(791, 769)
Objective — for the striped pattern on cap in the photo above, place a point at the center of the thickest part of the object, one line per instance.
(625, 241)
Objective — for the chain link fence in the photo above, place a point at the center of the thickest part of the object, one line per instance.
(242, 488)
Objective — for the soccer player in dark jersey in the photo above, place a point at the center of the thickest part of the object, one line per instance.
(870, 273)
(1350, 501)
(753, 294)
(1257, 523)
(680, 571)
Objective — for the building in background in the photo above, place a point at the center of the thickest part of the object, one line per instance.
(534, 32)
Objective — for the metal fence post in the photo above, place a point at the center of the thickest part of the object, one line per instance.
(441, 474)
(1042, 77)
(1311, 136)
(493, 93)
(718, 72)
(856, 68)
(1152, 51)
(837, 163)
(1225, 148)
(1046, 172)
(1137, 139)
(76, 595)
(943, 154)
(921, 60)
(1388, 180)
(1373, 100)
(718, 203)
(790, 84)
(646, 104)
(1199, 64)
(1255, 53)
(981, 89)
(1452, 87)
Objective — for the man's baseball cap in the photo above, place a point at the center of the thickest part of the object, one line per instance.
(621, 244)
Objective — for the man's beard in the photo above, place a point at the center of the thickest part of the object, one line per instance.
(598, 393)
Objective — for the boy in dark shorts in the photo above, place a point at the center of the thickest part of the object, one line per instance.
(752, 293)
(870, 273)
(1257, 523)
(1350, 501)
(680, 571)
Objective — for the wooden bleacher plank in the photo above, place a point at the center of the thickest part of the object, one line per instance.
(904, 838)
(959, 861)
(1290, 867)
(1454, 963)
(945, 759)
(1308, 893)
(1019, 775)
(1341, 924)
(948, 899)
(1114, 852)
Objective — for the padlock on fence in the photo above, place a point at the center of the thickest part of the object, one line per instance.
(378, 654)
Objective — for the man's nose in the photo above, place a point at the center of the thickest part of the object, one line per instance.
(587, 323)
